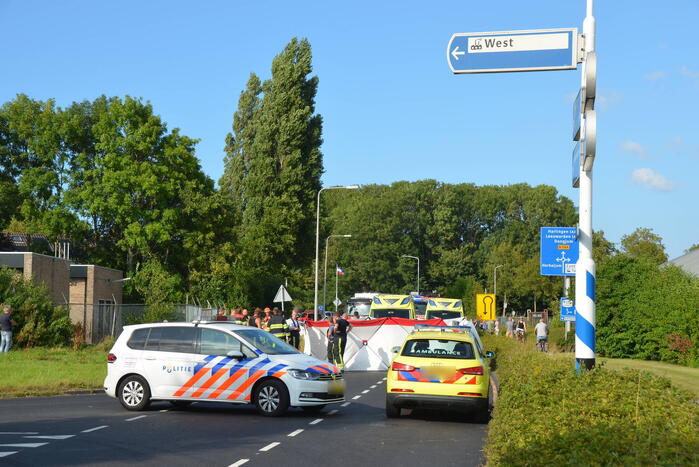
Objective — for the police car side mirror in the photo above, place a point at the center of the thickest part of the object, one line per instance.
(489, 354)
(237, 354)
(395, 349)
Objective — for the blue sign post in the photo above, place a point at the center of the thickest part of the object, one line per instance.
(559, 251)
(567, 310)
(502, 51)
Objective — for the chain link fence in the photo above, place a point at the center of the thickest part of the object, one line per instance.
(107, 319)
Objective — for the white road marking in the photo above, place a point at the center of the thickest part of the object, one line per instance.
(239, 462)
(365, 391)
(24, 445)
(294, 433)
(379, 382)
(164, 410)
(373, 386)
(90, 430)
(7, 453)
(50, 437)
(270, 446)
(345, 404)
(317, 420)
(332, 412)
(383, 379)
(356, 397)
(19, 432)
(135, 418)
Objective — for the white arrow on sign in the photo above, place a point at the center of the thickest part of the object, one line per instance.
(455, 53)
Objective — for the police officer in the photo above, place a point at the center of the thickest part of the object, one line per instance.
(277, 325)
(294, 328)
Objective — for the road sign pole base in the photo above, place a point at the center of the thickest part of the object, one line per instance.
(584, 364)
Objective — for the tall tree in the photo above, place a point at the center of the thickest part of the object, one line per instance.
(273, 168)
(643, 243)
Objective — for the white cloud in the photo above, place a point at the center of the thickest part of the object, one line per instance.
(655, 75)
(651, 179)
(634, 148)
(606, 99)
(684, 71)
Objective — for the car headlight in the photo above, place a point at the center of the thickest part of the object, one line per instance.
(304, 374)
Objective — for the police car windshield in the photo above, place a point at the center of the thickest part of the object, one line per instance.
(266, 343)
(438, 348)
(444, 314)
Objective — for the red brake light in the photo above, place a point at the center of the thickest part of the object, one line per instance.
(401, 390)
(111, 358)
(401, 367)
(476, 370)
(475, 394)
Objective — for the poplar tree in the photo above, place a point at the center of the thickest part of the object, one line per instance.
(273, 168)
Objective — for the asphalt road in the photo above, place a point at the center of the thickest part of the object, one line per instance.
(95, 429)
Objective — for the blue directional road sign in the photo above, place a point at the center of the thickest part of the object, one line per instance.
(501, 51)
(567, 309)
(559, 251)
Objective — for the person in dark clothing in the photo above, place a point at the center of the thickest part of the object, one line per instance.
(332, 347)
(6, 323)
(342, 327)
(277, 326)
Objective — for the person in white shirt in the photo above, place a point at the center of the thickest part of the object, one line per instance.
(294, 328)
(542, 333)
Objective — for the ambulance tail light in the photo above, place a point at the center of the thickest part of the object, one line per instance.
(474, 370)
(402, 367)
(401, 390)
(111, 358)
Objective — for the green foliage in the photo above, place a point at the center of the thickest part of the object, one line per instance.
(643, 243)
(457, 231)
(647, 312)
(39, 323)
(272, 172)
(547, 414)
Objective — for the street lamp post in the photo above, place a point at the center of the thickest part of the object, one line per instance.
(418, 270)
(495, 280)
(325, 268)
(315, 265)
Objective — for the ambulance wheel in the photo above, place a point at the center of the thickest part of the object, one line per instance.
(134, 393)
(391, 410)
(271, 398)
(313, 408)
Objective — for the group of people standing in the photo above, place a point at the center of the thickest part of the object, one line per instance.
(269, 319)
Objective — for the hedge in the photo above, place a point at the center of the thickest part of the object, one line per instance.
(546, 414)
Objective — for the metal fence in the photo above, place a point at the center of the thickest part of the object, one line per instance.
(108, 319)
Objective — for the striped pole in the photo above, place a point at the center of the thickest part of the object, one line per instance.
(585, 267)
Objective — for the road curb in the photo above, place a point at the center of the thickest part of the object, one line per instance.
(76, 392)
(495, 385)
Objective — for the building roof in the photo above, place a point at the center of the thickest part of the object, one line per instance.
(689, 262)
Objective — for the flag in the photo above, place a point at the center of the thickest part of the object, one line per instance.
(339, 270)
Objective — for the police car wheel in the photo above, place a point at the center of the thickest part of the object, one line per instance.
(271, 398)
(134, 393)
(313, 408)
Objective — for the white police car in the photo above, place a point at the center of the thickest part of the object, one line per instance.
(217, 361)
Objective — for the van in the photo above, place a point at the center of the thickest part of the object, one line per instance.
(392, 306)
(217, 362)
(444, 308)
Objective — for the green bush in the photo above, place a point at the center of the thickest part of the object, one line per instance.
(647, 312)
(546, 414)
(39, 322)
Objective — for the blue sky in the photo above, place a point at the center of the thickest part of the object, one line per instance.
(392, 110)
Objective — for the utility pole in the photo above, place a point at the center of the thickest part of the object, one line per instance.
(585, 267)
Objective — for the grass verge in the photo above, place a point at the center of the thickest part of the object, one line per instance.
(546, 414)
(44, 371)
